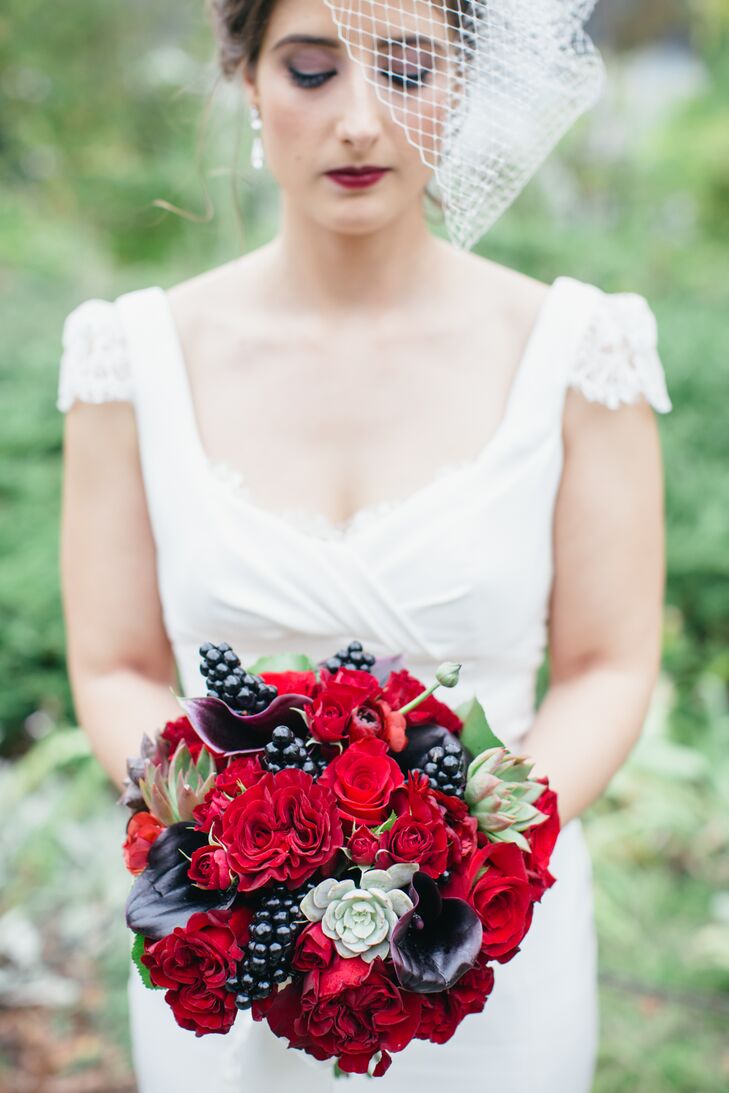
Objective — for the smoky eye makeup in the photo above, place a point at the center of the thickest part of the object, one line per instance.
(310, 69)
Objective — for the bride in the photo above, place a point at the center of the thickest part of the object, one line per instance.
(360, 430)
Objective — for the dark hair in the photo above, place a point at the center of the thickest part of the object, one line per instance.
(240, 27)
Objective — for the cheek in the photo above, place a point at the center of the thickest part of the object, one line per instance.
(291, 128)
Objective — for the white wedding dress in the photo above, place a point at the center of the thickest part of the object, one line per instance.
(459, 570)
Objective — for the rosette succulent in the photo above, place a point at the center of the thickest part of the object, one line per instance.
(360, 920)
(501, 795)
(172, 787)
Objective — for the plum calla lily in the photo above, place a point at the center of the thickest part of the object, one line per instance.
(436, 942)
(228, 732)
(163, 896)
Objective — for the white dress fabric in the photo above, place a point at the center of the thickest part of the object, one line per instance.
(459, 570)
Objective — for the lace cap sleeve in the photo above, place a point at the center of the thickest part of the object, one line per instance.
(94, 360)
(618, 359)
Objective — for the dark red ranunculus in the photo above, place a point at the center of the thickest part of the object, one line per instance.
(442, 1012)
(542, 839)
(362, 779)
(419, 832)
(401, 687)
(283, 829)
(209, 868)
(461, 826)
(350, 1011)
(142, 830)
(501, 897)
(313, 949)
(375, 717)
(193, 963)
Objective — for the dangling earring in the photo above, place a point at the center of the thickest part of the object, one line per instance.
(257, 145)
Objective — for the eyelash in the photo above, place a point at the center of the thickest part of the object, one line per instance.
(316, 79)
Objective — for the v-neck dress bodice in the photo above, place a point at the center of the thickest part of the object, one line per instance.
(461, 569)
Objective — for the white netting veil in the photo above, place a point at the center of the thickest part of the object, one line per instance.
(483, 89)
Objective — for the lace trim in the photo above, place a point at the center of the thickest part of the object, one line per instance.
(94, 363)
(618, 362)
(316, 523)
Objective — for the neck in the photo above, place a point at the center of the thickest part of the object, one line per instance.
(345, 275)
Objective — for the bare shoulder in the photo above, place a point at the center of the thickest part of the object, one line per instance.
(501, 291)
(224, 289)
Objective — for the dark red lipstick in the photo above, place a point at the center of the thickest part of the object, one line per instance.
(357, 178)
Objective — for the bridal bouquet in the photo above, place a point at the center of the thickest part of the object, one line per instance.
(332, 847)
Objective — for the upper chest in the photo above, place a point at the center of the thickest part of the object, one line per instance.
(340, 419)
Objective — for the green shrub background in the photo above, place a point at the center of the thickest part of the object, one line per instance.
(101, 113)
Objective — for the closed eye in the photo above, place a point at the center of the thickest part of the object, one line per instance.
(310, 79)
(400, 79)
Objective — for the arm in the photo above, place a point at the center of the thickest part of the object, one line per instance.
(607, 597)
(119, 658)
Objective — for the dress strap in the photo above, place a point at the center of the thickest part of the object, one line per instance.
(166, 433)
(539, 389)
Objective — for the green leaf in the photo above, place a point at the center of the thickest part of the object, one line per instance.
(386, 824)
(282, 662)
(477, 735)
(137, 950)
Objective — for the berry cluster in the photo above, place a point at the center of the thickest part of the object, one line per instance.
(352, 657)
(285, 749)
(445, 767)
(228, 680)
(274, 929)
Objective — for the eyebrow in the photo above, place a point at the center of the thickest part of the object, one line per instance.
(334, 43)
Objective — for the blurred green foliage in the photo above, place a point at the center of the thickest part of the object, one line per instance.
(102, 114)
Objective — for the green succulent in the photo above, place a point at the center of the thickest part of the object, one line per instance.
(360, 920)
(500, 794)
(171, 789)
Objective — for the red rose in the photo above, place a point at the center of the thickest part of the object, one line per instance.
(313, 949)
(193, 963)
(142, 830)
(501, 897)
(292, 683)
(350, 1011)
(542, 839)
(181, 732)
(401, 687)
(442, 1012)
(419, 833)
(375, 717)
(362, 779)
(240, 773)
(209, 867)
(281, 829)
(363, 846)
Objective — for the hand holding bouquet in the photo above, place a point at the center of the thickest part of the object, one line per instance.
(331, 847)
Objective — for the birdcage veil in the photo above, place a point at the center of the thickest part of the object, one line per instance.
(484, 89)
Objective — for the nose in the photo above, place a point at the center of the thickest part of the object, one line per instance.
(360, 121)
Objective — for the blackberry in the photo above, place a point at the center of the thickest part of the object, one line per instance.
(445, 767)
(352, 657)
(275, 927)
(285, 749)
(228, 680)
